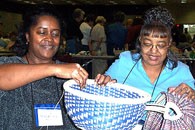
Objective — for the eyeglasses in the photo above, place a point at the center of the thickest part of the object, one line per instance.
(158, 46)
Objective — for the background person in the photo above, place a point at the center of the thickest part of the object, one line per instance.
(133, 33)
(98, 46)
(116, 34)
(73, 32)
(85, 28)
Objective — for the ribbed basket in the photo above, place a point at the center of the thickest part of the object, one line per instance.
(113, 107)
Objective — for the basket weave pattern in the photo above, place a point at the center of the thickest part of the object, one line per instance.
(98, 115)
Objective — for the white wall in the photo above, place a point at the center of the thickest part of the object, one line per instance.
(183, 14)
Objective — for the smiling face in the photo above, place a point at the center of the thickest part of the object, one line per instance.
(44, 38)
(154, 50)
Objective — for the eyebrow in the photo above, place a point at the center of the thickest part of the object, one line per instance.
(47, 28)
(161, 41)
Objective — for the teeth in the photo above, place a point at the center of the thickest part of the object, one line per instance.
(48, 47)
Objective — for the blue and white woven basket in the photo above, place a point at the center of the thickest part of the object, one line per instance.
(113, 107)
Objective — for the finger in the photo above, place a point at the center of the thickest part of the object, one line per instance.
(171, 89)
(105, 80)
(97, 78)
(83, 76)
(178, 89)
(76, 76)
(185, 91)
(113, 81)
(193, 97)
(100, 80)
(190, 94)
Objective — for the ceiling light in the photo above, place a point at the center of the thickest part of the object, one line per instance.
(27, 1)
(112, 2)
(162, 1)
(183, 1)
(132, 2)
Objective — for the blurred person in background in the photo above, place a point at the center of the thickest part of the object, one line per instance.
(133, 33)
(73, 32)
(116, 34)
(98, 46)
(188, 36)
(85, 28)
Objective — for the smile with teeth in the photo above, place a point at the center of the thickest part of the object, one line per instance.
(47, 47)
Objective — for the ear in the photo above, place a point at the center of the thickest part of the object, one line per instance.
(27, 37)
(139, 38)
(170, 42)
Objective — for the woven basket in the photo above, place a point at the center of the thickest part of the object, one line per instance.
(113, 107)
(176, 121)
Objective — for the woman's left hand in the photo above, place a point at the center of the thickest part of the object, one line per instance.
(183, 89)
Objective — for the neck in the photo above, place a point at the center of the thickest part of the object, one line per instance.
(32, 60)
(156, 68)
(153, 72)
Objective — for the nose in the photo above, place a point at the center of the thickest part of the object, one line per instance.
(154, 48)
(49, 37)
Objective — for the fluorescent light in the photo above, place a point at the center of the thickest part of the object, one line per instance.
(183, 1)
(162, 1)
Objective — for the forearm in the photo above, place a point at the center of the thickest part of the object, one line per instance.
(13, 76)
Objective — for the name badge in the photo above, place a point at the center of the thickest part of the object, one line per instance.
(48, 115)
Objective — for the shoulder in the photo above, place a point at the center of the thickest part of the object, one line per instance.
(126, 57)
(12, 59)
(181, 71)
(182, 66)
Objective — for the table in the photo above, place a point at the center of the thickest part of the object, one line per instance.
(85, 61)
(93, 57)
(7, 53)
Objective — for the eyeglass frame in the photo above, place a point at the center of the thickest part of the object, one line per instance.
(158, 47)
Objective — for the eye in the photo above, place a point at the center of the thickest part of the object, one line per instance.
(147, 44)
(55, 33)
(41, 32)
(161, 46)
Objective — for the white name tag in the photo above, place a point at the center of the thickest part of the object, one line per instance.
(48, 115)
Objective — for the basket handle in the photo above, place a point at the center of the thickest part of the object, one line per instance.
(165, 110)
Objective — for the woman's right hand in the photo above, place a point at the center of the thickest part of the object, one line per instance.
(72, 70)
(102, 79)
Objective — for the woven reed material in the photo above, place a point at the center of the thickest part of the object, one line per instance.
(104, 115)
(155, 120)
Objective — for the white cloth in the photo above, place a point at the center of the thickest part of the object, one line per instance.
(97, 35)
(98, 32)
(85, 29)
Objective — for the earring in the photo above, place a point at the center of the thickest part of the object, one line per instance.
(26, 42)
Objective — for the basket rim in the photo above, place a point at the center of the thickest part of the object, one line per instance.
(100, 98)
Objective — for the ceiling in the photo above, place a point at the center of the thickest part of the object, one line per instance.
(103, 2)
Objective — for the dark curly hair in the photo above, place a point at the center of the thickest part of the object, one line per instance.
(29, 19)
(159, 15)
(158, 22)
